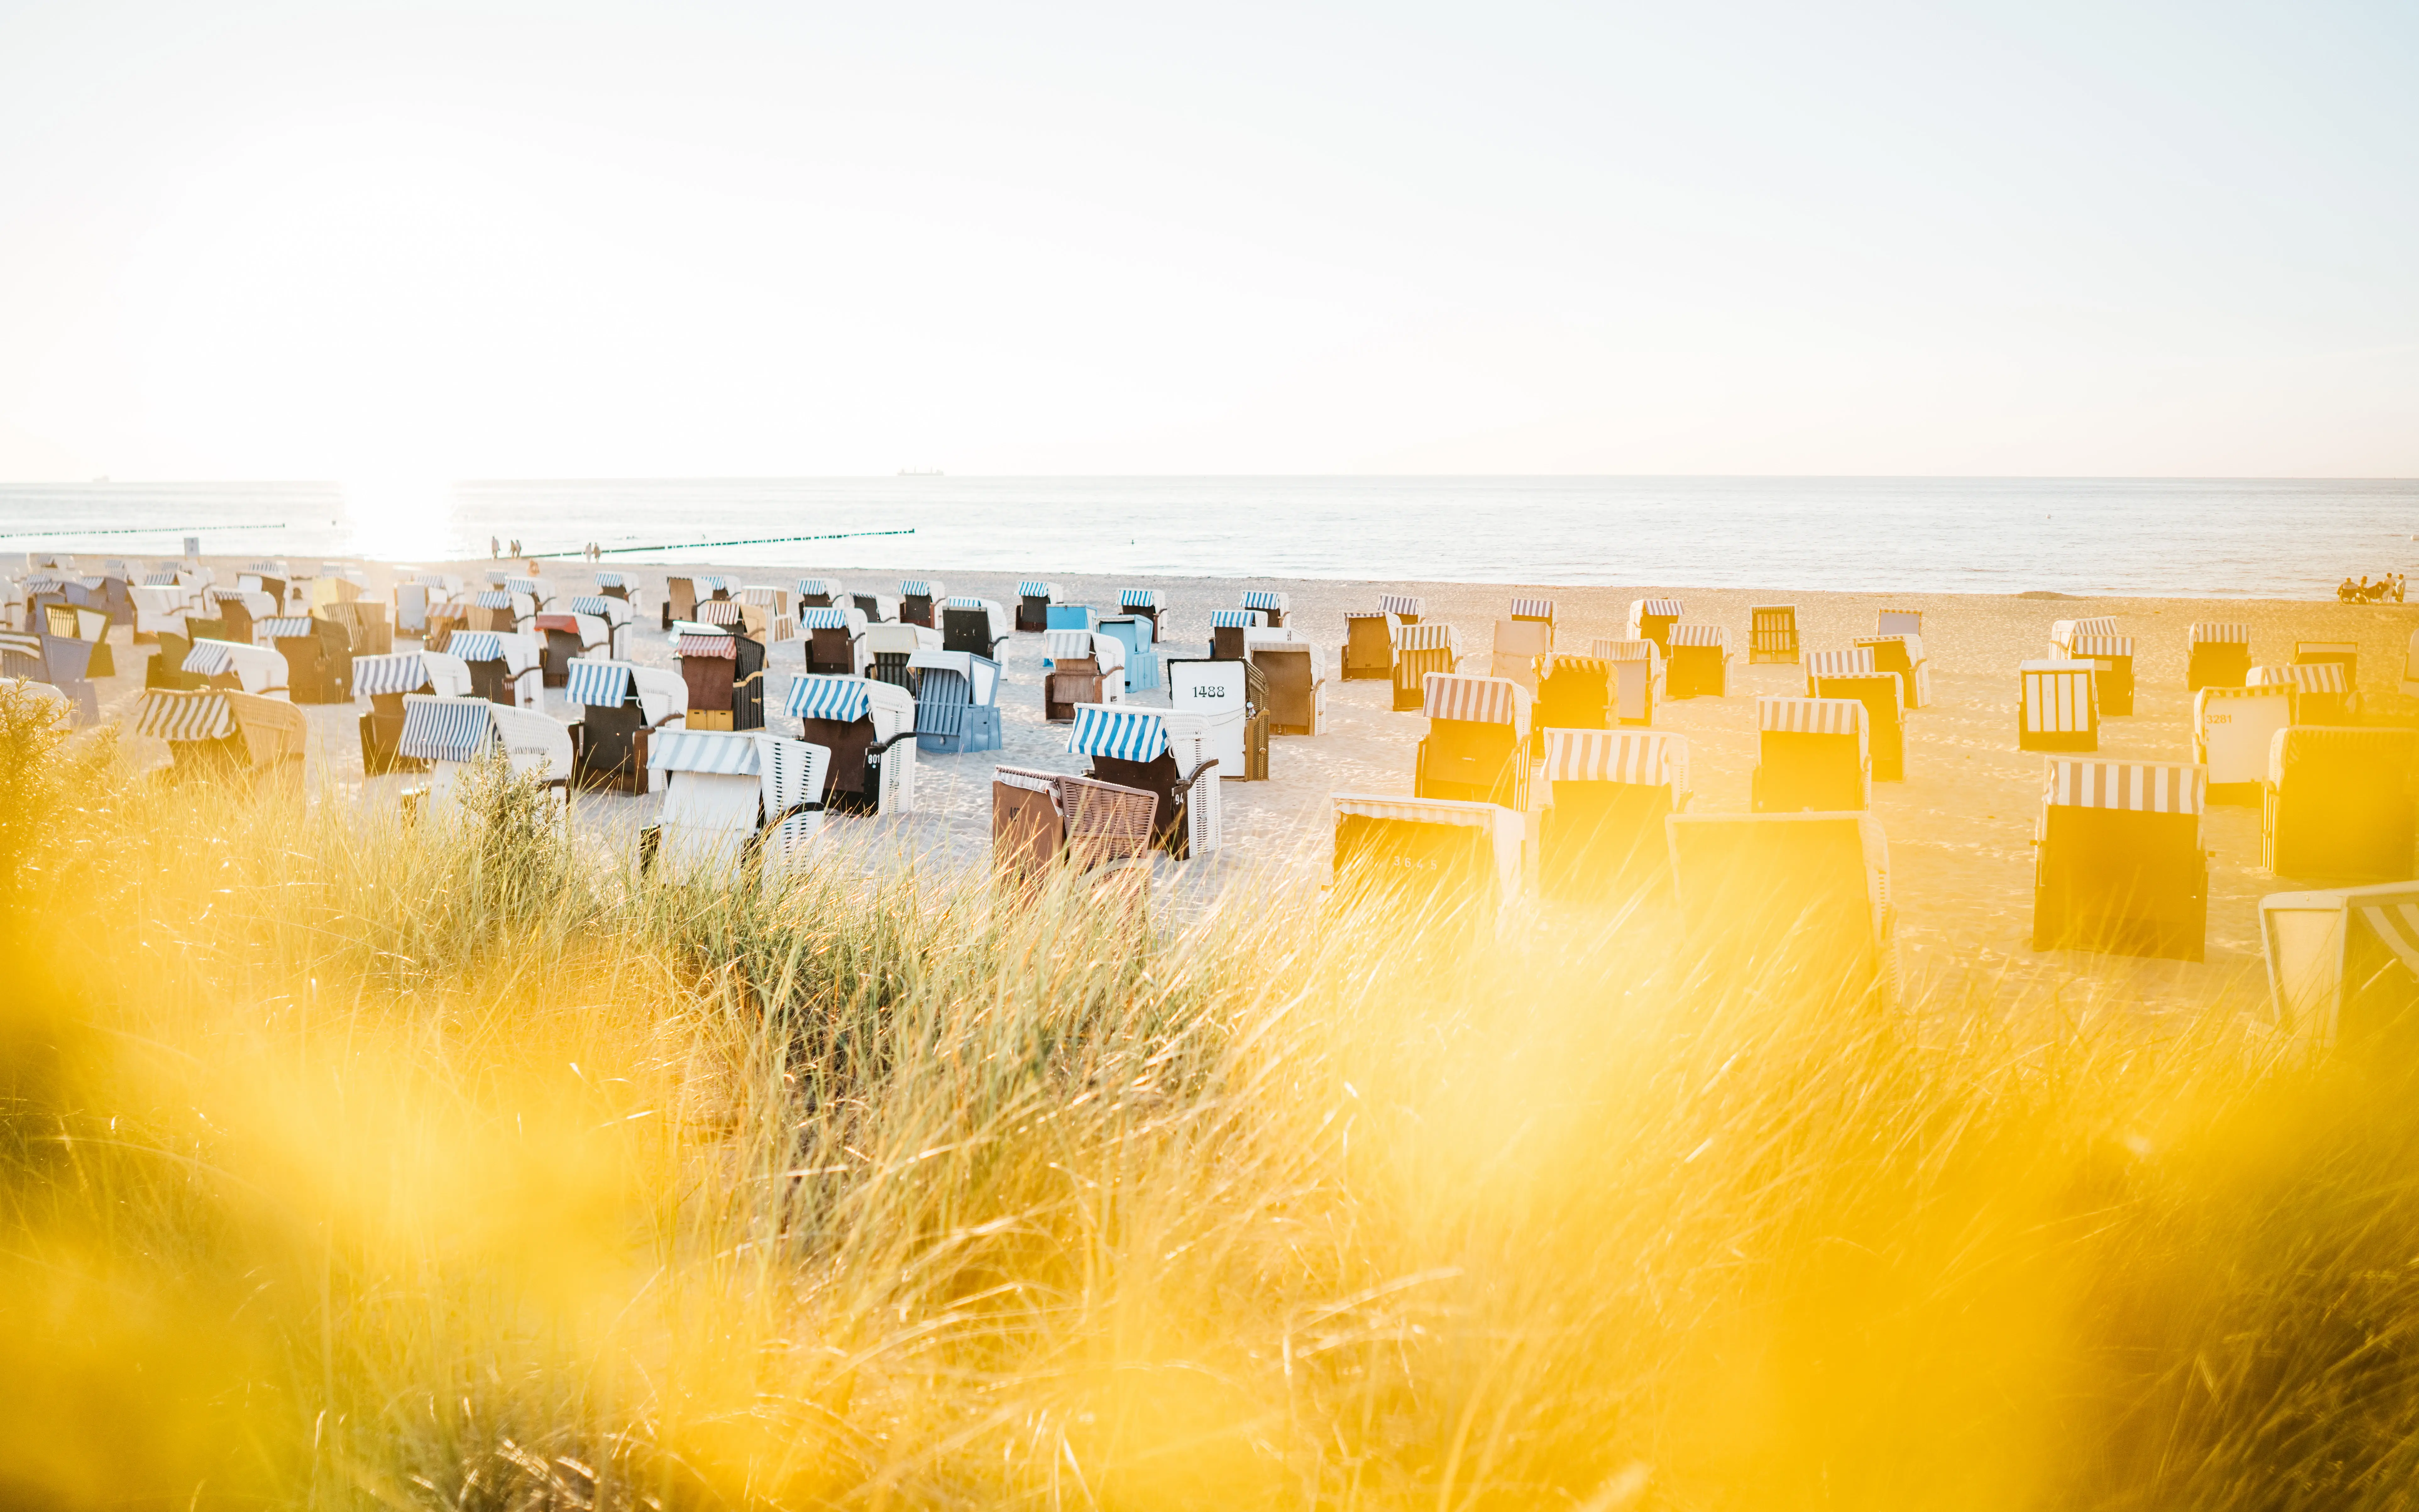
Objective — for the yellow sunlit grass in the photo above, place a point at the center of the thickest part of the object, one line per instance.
(350, 1165)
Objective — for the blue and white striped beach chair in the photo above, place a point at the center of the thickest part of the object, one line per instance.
(1163, 752)
(957, 702)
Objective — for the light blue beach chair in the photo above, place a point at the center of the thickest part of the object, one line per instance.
(1133, 632)
(957, 702)
(1068, 617)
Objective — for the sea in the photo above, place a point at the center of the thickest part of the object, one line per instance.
(2184, 537)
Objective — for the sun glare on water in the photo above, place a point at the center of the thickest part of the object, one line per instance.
(399, 518)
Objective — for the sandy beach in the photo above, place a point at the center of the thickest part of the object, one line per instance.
(1960, 826)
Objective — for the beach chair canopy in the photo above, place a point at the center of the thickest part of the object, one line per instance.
(922, 588)
(1431, 636)
(1475, 700)
(711, 752)
(1400, 605)
(764, 595)
(2141, 787)
(256, 603)
(166, 714)
(1698, 635)
(1533, 608)
(492, 598)
(1554, 662)
(2083, 646)
(158, 579)
(1670, 609)
(2304, 676)
(821, 587)
(891, 639)
(617, 579)
(608, 684)
(464, 729)
(980, 672)
(1812, 715)
(1127, 733)
(1266, 600)
(716, 583)
(283, 626)
(1857, 663)
(1626, 650)
(1073, 645)
(1036, 587)
(720, 611)
(2058, 694)
(532, 586)
(518, 651)
(1642, 758)
(834, 617)
(613, 611)
(996, 614)
(408, 671)
(1247, 618)
(259, 669)
(702, 643)
(890, 707)
(1139, 598)
(2221, 633)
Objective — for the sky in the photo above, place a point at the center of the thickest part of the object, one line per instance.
(355, 242)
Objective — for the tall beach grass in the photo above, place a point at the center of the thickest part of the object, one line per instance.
(356, 1165)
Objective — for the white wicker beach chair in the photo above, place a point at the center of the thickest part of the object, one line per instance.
(1814, 756)
(919, 599)
(624, 708)
(1699, 662)
(2338, 804)
(1420, 651)
(226, 735)
(1034, 597)
(980, 626)
(2232, 730)
(1651, 619)
(890, 647)
(2058, 705)
(832, 640)
(729, 795)
(1220, 693)
(506, 667)
(255, 670)
(1772, 634)
(1519, 642)
(2323, 694)
(452, 733)
(385, 681)
(2218, 656)
(1637, 677)
(2117, 863)
(1456, 869)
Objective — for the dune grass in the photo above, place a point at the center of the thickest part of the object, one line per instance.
(352, 1166)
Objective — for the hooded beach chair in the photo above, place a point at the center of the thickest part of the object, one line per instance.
(1651, 619)
(1229, 630)
(1420, 650)
(1477, 745)
(1772, 634)
(386, 681)
(980, 625)
(1406, 607)
(888, 648)
(2219, 654)
(1573, 693)
(563, 638)
(724, 672)
(160, 608)
(869, 729)
(1164, 753)
(1519, 642)
(917, 599)
(725, 613)
(239, 610)
(1637, 677)
(1698, 662)
(623, 709)
(2338, 804)
(505, 667)
(1451, 867)
(1233, 696)
(267, 577)
(497, 609)
(1033, 600)
(452, 734)
(2058, 705)
(1067, 617)
(2317, 653)
(1270, 603)
(2343, 964)
(2117, 864)
(1144, 603)
(1139, 637)
(821, 592)
(56, 663)
(1083, 667)
(533, 589)
(2063, 632)
(221, 734)
(732, 796)
(2112, 661)
(248, 669)
(877, 608)
(2233, 729)
(367, 631)
(1902, 655)
(1808, 891)
(82, 621)
(1540, 610)
(1041, 821)
(1297, 691)
(2323, 693)
(621, 585)
(319, 657)
(1813, 756)
(957, 702)
(764, 609)
(680, 600)
(834, 637)
(1607, 793)
(609, 635)
(1369, 644)
(1851, 674)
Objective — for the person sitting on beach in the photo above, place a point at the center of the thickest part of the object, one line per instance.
(2344, 590)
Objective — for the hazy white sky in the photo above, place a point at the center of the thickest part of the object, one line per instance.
(397, 240)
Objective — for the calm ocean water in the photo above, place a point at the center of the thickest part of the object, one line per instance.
(2276, 538)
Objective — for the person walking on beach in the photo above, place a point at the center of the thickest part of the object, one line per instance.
(495, 548)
